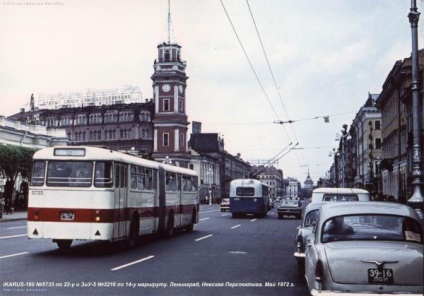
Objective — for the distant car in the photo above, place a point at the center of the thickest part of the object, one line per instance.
(339, 194)
(310, 218)
(365, 248)
(225, 205)
(289, 207)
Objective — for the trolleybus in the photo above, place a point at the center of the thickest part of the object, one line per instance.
(90, 193)
(249, 196)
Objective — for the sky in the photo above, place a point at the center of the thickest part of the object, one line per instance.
(250, 63)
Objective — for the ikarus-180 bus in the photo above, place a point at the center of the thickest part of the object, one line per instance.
(249, 196)
(90, 193)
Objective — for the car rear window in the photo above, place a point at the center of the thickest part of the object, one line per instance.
(372, 227)
(340, 197)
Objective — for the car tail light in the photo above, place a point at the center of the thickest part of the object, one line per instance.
(319, 271)
(299, 244)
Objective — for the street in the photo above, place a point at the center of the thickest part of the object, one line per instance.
(222, 256)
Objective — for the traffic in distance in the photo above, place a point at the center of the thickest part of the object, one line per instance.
(88, 193)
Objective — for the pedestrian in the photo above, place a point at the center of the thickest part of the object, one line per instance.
(8, 192)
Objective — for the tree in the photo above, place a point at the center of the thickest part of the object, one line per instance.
(14, 160)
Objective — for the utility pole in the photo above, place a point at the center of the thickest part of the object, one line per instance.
(416, 201)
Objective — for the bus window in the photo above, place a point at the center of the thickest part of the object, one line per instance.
(141, 174)
(151, 176)
(171, 181)
(245, 191)
(38, 172)
(133, 177)
(69, 173)
(103, 177)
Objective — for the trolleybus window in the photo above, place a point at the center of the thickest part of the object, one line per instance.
(141, 178)
(245, 191)
(38, 173)
(172, 182)
(103, 176)
(69, 173)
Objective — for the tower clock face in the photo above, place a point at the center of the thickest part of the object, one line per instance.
(166, 87)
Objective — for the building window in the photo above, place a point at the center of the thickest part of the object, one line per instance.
(144, 116)
(166, 140)
(377, 124)
(166, 105)
(126, 116)
(81, 119)
(182, 141)
(378, 144)
(181, 106)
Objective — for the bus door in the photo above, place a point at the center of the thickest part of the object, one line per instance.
(160, 200)
(120, 201)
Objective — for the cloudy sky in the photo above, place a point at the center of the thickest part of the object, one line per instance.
(250, 63)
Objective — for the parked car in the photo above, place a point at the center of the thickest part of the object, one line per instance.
(288, 207)
(339, 194)
(225, 205)
(310, 218)
(368, 248)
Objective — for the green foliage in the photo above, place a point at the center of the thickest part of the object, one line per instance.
(14, 160)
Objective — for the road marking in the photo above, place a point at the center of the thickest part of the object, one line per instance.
(238, 225)
(13, 255)
(132, 263)
(238, 252)
(253, 220)
(202, 238)
(16, 227)
(12, 236)
(204, 219)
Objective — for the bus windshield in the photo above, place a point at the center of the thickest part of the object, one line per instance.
(69, 173)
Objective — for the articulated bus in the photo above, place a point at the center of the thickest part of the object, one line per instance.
(90, 193)
(249, 196)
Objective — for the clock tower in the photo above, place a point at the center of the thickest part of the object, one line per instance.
(170, 119)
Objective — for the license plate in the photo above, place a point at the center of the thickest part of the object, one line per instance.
(380, 276)
(67, 216)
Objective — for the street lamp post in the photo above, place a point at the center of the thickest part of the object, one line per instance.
(210, 191)
(416, 201)
(344, 137)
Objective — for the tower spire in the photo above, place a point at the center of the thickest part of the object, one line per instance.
(169, 21)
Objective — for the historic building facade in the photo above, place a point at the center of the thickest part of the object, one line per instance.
(396, 107)
(120, 127)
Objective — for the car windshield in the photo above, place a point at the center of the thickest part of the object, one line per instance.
(371, 227)
(290, 202)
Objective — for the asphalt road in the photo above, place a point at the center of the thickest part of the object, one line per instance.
(222, 256)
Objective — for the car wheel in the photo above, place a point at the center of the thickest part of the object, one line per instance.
(300, 268)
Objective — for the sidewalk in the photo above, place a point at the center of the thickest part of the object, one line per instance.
(18, 215)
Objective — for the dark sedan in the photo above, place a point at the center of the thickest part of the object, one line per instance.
(289, 207)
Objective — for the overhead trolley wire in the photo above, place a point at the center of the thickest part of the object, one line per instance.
(248, 60)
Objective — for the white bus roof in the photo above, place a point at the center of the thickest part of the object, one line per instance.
(96, 153)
